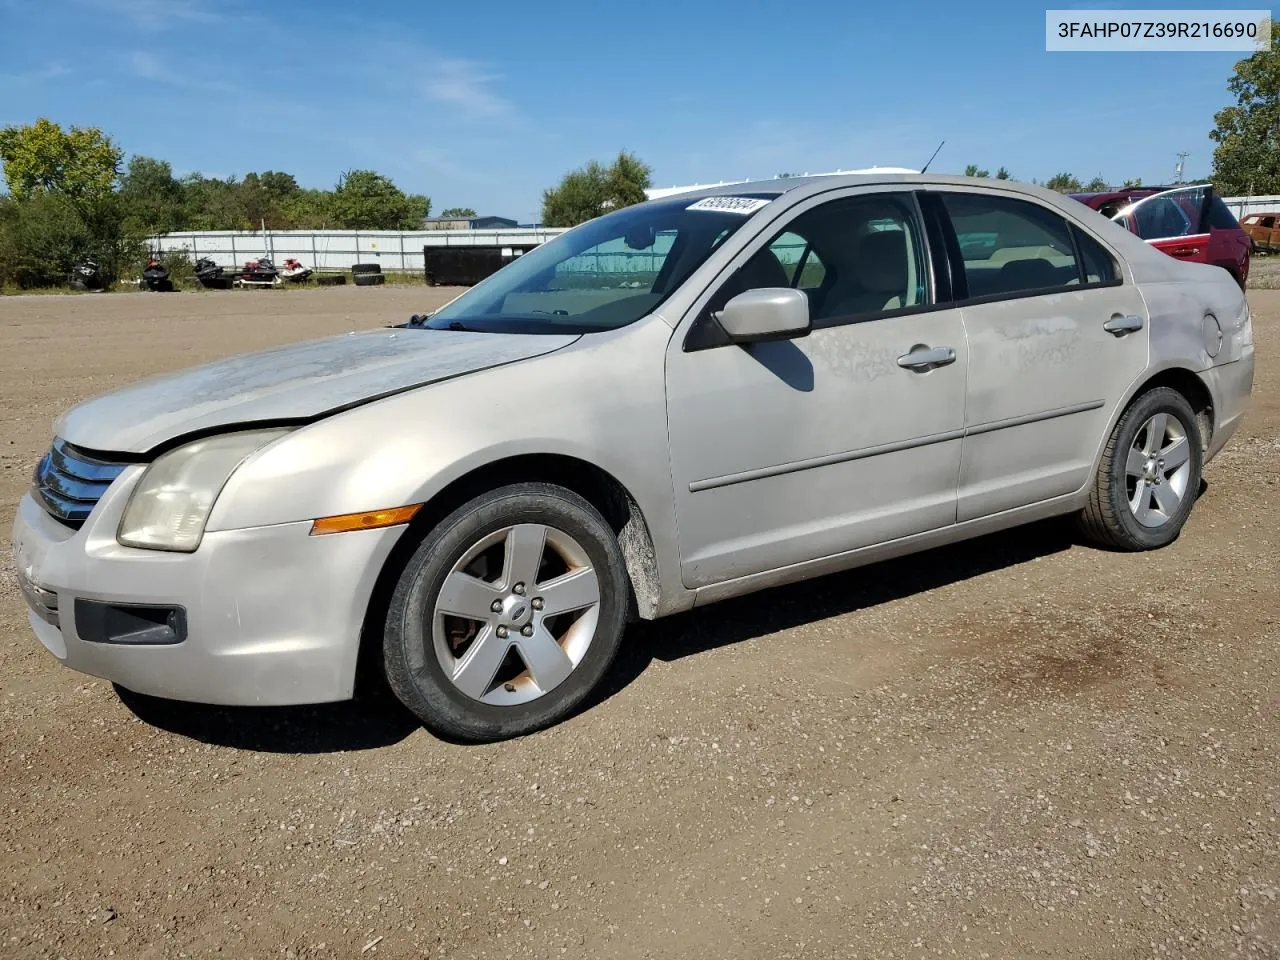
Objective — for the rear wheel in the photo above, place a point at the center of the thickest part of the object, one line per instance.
(508, 614)
(1149, 477)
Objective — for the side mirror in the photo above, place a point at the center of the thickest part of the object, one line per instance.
(769, 313)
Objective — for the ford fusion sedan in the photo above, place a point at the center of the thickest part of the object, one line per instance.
(682, 401)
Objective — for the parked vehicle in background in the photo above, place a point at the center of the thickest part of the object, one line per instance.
(672, 404)
(259, 272)
(1187, 222)
(156, 277)
(211, 276)
(1264, 230)
(294, 271)
(87, 275)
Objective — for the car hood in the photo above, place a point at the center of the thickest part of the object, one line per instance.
(298, 382)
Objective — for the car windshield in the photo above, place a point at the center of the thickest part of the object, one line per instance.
(602, 275)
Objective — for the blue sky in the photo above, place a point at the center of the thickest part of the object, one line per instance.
(485, 104)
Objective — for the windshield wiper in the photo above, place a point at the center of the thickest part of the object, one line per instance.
(418, 321)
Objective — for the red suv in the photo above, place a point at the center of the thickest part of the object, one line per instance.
(1190, 223)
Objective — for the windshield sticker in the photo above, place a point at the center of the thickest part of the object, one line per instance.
(742, 205)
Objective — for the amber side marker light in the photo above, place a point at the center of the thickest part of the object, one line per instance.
(364, 521)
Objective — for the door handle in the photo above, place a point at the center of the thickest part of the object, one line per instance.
(1120, 325)
(926, 358)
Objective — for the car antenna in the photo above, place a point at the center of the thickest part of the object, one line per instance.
(935, 153)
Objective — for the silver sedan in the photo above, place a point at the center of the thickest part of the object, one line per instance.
(682, 401)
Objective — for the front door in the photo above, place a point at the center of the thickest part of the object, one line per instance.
(1057, 333)
(794, 450)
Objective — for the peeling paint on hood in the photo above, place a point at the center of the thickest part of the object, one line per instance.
(300, 381)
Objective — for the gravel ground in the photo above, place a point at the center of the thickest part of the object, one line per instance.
(1016, 747)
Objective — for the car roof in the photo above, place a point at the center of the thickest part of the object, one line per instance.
(806, 185)
(796, 189)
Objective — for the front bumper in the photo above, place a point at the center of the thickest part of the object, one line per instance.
(273, 615)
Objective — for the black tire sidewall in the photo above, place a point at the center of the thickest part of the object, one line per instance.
(1159, 400)
(412, 669)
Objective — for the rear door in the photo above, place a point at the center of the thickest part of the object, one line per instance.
(1056, 331)
(1174, 221)
(1189, 223)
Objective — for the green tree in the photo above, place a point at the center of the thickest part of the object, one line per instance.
(457, 212)
(279, 186)
(151, 197)
(309, 209)
(1130, 184)
(256, 204)
(1247, 158)
(43, 236)
(211, 203)
(629, 178)
(80, 163)
(1063, 183)
(593, 189)
(1096, 185)
(582, 195)
(1003, 174)
(366, 200)
(972, 171)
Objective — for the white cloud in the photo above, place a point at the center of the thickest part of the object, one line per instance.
(156, 14)
(148, 67)
(50, 71)
(466, 85)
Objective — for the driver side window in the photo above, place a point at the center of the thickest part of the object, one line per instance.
(804, 268)
(856, 259)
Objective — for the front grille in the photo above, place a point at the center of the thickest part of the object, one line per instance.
(69, 483)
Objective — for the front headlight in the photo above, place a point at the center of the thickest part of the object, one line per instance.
(171, 502)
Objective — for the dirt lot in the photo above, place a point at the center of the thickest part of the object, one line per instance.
(1019, 747)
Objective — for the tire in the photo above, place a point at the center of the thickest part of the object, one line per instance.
(368, 279)
(1125, 516)
(360, 268)
(331, 280)
(433, 660)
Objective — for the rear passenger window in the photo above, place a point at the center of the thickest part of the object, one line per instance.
(1099, 266)
(1011, 246)
(1220, 215)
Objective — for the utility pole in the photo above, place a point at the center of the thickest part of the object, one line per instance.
(1177, 170)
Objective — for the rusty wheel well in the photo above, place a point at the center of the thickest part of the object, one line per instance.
(1195, 392)
(598, 487)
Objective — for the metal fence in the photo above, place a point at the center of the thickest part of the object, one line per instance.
(1245, 205)
(339, 249)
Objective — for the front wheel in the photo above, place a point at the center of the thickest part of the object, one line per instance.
(507, 615)
(1149, 476)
